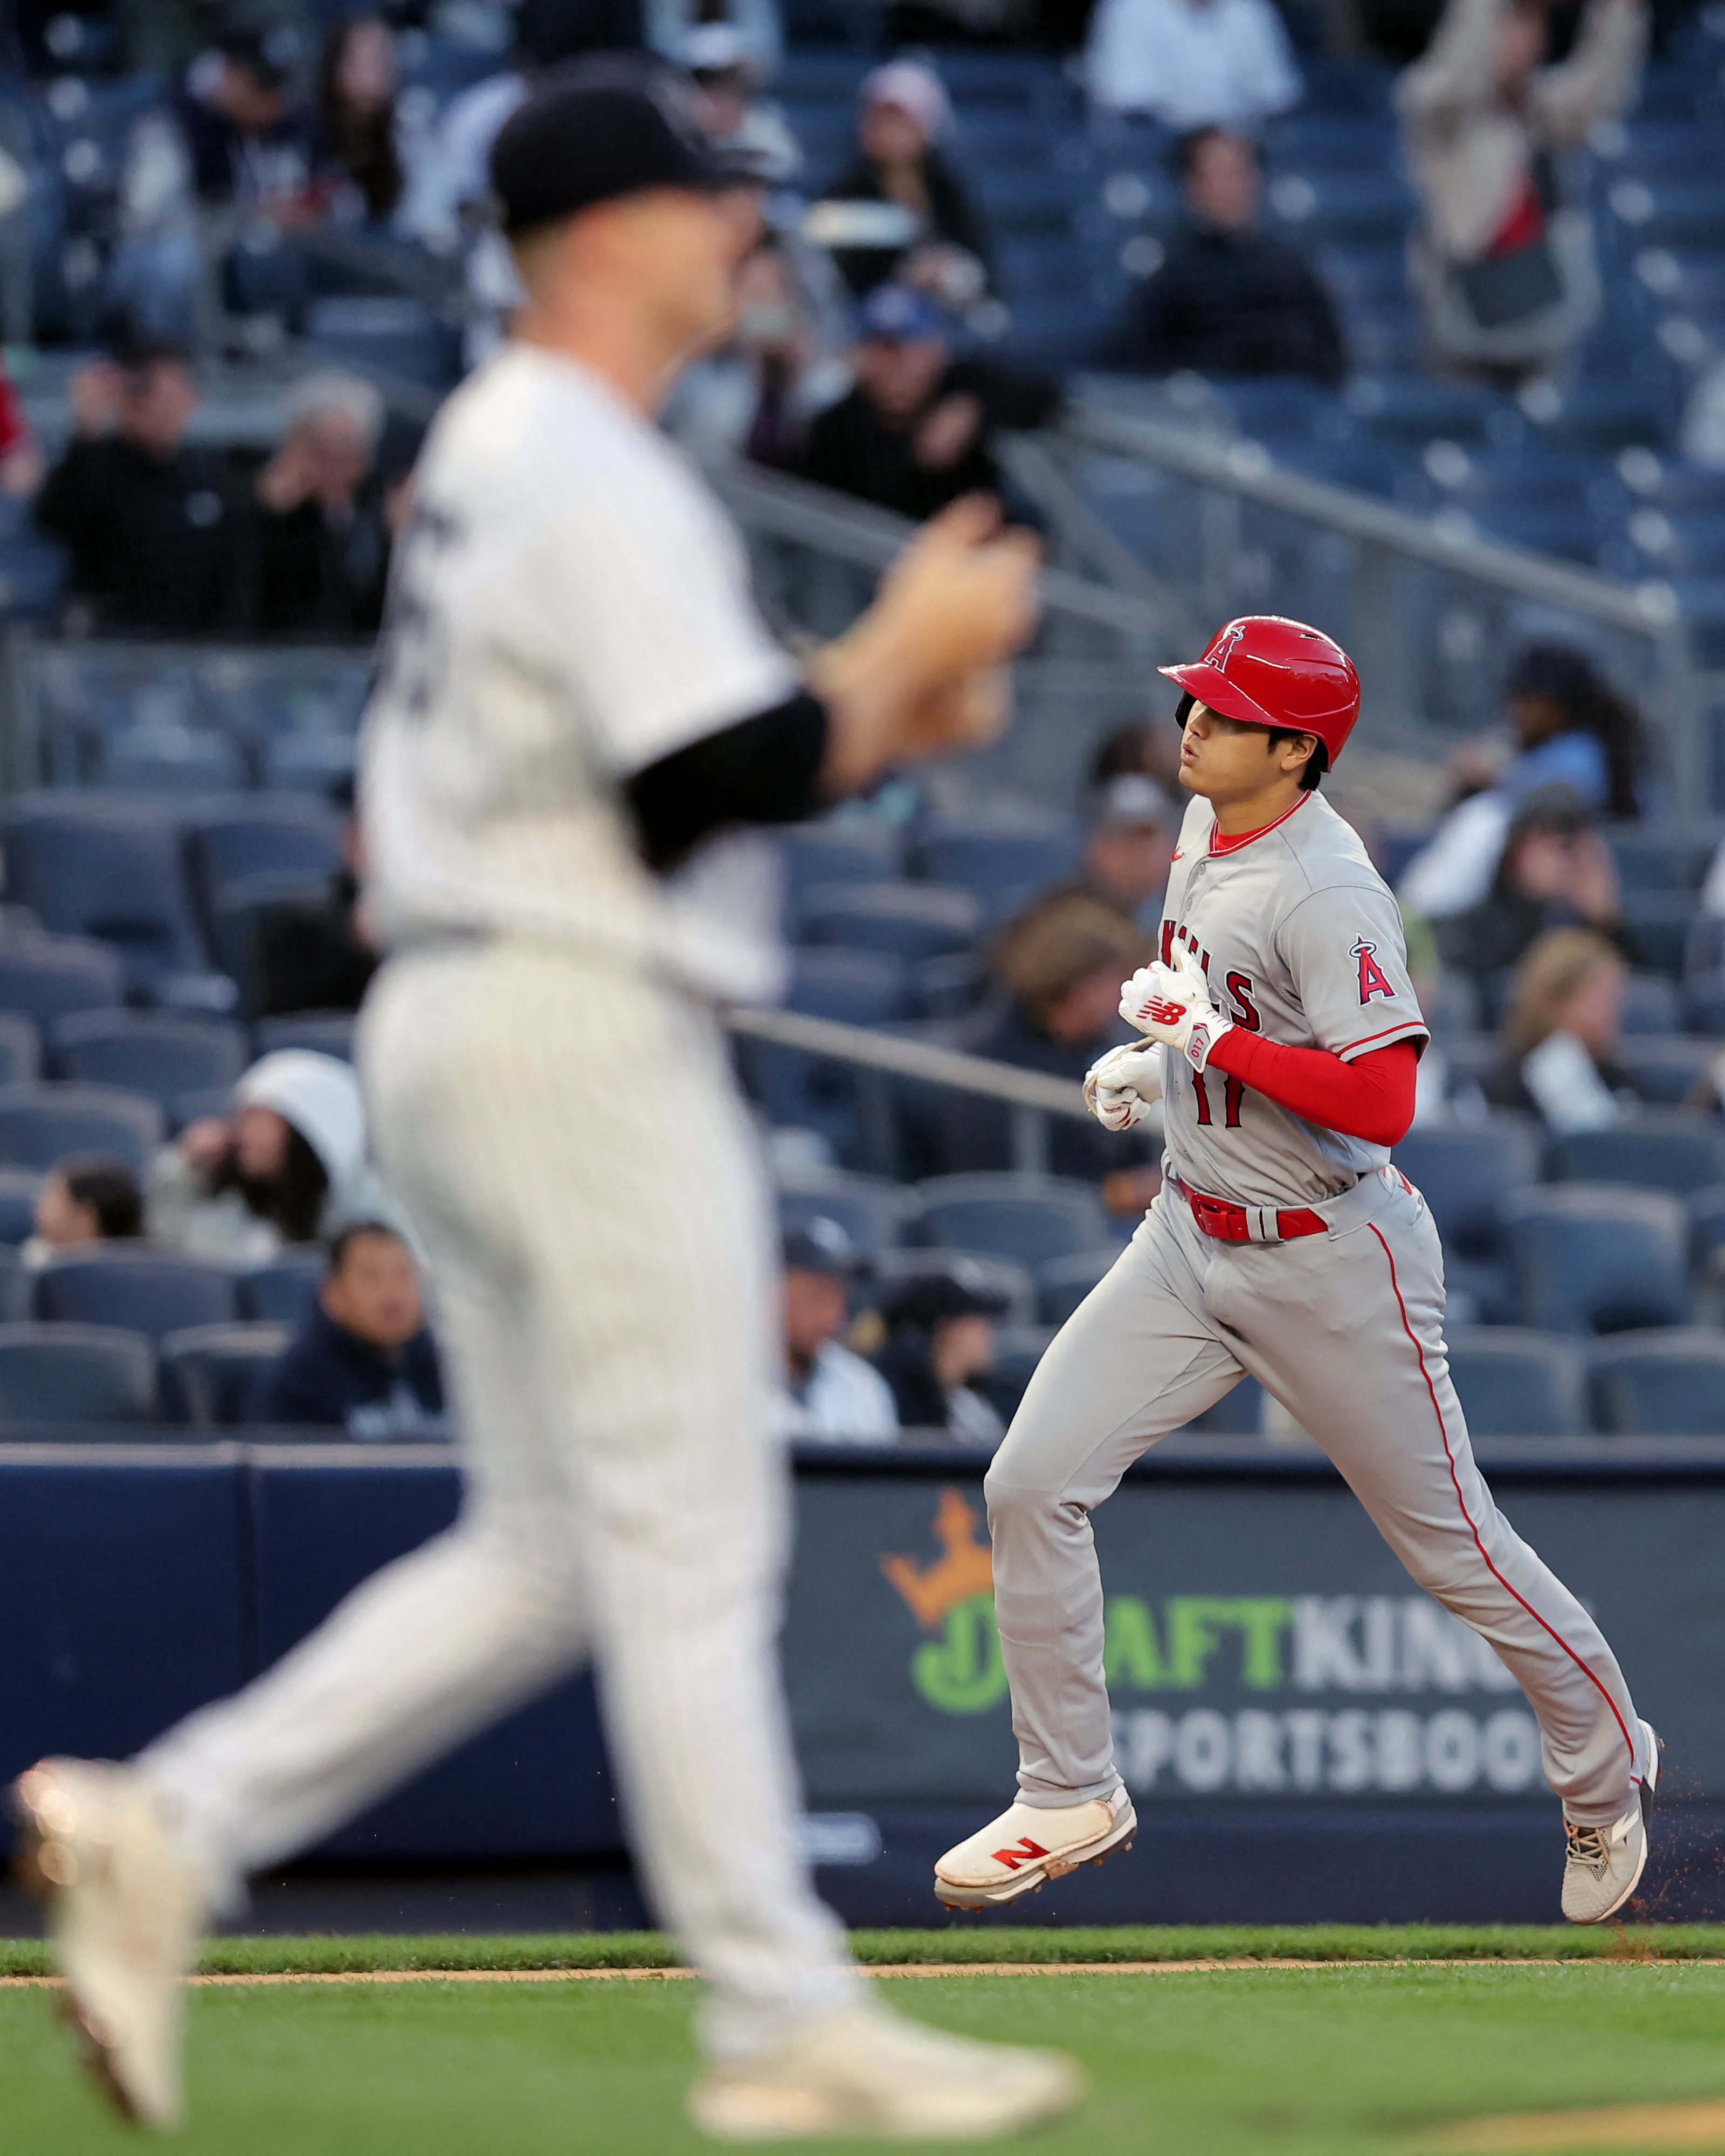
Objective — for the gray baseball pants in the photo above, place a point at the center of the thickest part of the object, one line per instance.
(1345, 1329)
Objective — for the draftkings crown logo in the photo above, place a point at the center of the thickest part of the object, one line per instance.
(961, 1671)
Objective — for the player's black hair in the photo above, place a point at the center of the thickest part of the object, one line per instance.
(1316, 764)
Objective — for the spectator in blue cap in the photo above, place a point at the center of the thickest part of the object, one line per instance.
(829, 1394)
(915, 431)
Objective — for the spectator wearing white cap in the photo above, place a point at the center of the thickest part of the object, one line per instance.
(727, 72)
(829, 1394)
(289, 1164)
(753, 26)
(1192, 64)
(902, 112)
(323, 530)
(1130, 849)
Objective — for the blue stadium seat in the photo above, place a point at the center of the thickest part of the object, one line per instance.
(1517, 1383)
(146, 1052)
(983, 1269)
(1467, 1178)
(260, 835)
(310, 763)
(211, 1373)
(1063, 1283)
(1671, 1151)
(141, 1290)
(1239, 1412)
(868, 1207)
(1652, 1002)
(1029, 1218)
(282, 1291)
(76, 1373)
(1018, 1349)
(905, 921)
(1415, 409)
(43, 977)
(108, 870)
(1658, 923)
(20, 1050)
(402, 336)
(839, 852)
(173, 763)
(1669, 1384)
(1664, 1067)
(1349, 209)
(19, 1189)
(857, 987)
(327, 1032)
(41, 1124)
(999, 859)
(1594, 1258)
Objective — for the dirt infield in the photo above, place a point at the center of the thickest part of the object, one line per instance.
(1638, 2125)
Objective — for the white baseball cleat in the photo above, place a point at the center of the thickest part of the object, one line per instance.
(865, 2072)
(1604, 1864)
(1027, 1846)
(123, 1918)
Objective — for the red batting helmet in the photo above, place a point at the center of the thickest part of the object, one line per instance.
(1268, 671)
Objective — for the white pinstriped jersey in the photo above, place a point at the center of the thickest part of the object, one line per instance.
(568, 605)
(1300, 940)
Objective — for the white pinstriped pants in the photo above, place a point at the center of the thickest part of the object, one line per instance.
(566, 1138)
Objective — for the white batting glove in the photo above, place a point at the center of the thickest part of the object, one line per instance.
(1172, 1004)
(1120, 1087)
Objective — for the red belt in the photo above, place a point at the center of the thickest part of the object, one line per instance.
(1228, 1223)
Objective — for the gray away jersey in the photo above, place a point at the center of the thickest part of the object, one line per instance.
(568, 605)
(1300, 940)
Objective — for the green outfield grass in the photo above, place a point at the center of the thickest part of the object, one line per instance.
(967, 1941)
(1360, 2060)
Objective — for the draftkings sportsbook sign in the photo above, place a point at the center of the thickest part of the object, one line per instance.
(1261, 1643)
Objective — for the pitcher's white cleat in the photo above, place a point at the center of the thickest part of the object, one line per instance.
(123, 1913)
(865, 2072)
(1027, 1844)
(1604, 1864)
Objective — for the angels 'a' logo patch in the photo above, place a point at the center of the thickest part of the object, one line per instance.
(1371, 980)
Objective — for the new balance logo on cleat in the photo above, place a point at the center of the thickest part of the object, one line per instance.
(1021, 1853)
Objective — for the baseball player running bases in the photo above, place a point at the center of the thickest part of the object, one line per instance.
(1281, 1036)
(579, 718)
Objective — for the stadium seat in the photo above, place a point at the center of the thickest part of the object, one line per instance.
(211, 1373)
(1239, 1412)
(1664, 1068)
(1000, 861)
(109, 870)
(1652, 1002)
(1660, 1149)
(858, 988)
(1018, 1349)
(19, 1189)
(1516, 1383)
(868, 1207)
(239, 917)
(1467, 1177)
(1594, 1258)
(1668, 1383)
(41, 1124)
(1657, 923)
(20, 1050)
(980, 1268)
(260, 835)
(141, 1290)
(17, 1284)
(906, 921)
(78, 1373)
(329, 1032)
(173, 763)
(1063, 1283)
(1027, 1219)
(45, 977)
(282, 1291)
(309, 763)
(146, 1052)
(839, 852)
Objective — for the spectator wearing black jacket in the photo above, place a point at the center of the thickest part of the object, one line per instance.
(940, 1339)
(156, 529)
(1230, 298)
(247, 141)
(1555, 871)
(915, 432)
(323, 534)
(363, 1360)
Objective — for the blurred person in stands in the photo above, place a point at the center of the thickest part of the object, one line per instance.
(1192, 64)
(1060, 964)
(1151, 751)
(288, 1165)
(322, 523)
(757, 394)
(1561, 1036)
(250, 143)
(1567, 725)
(88, 1198)
(753, 27)
(363, 1360)
(1556, 871)
(903, 113)
(1129, 850)
(915, 431)
(729, 109)
(313, 953)
(368, 139)
(1230, 298)
(940, 1339)
(1502, 261)
(829, 1394)
(156, 528)
(21, 466)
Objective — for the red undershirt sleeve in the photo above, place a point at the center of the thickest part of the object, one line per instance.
(1371, 1098)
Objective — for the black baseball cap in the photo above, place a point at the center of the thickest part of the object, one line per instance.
(820, 1246)
(597, 129)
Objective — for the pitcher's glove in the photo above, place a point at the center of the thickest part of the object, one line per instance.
(1172, 1004)
(1120, 1086)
